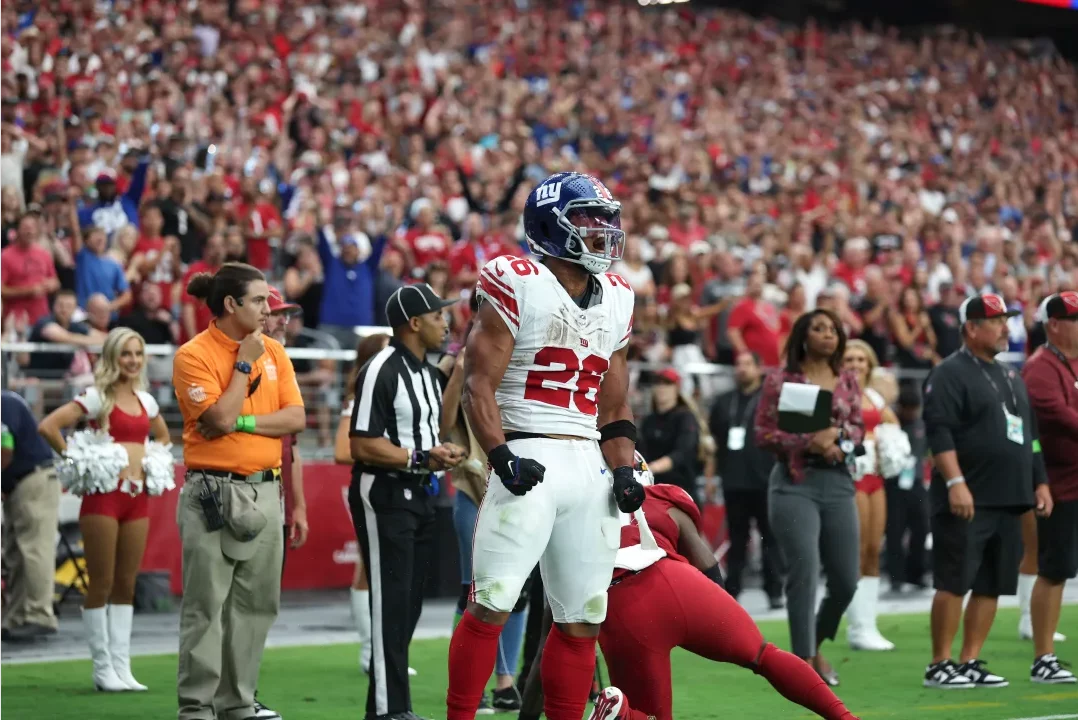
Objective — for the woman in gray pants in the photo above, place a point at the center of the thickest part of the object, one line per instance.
(811, 497)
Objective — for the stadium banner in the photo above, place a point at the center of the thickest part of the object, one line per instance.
(327, 560)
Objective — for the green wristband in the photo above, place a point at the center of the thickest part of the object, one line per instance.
(250, 424)
(7, 441)
(1036, 446)
(245, 423)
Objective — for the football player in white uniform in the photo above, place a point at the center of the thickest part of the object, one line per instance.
(545, 390)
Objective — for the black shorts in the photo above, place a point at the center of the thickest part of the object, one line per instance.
(1057, 543)
(981, 555)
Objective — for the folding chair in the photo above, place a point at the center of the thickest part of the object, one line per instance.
(71, 576)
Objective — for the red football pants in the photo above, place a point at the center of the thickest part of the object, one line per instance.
(671, 604)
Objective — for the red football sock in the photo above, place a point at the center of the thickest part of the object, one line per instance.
(627, 712)
(798, 682)
(472, 653)
(567, 670)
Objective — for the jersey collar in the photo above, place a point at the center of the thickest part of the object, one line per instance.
(220, 338)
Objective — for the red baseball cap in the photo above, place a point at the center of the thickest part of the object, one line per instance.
(277, 302)
(669, 375)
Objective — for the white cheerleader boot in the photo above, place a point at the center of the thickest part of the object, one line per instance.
(120, 617)
(97, 635)
(861, 633)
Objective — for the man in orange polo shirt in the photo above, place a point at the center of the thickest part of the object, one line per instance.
(238, 395)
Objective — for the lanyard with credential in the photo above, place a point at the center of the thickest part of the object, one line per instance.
(1063, 359)
(1010, 388)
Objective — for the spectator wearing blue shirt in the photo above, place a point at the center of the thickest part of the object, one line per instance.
(348, 290)
(31, 509)
(96, 272)
(112, 211)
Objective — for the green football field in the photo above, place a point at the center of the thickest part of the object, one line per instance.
(323, 683)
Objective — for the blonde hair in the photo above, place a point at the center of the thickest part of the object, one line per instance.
(870, 355)
(107, 370)
(706, 446)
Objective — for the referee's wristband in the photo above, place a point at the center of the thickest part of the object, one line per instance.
(955, 481)
(7, 441)
(245, 423)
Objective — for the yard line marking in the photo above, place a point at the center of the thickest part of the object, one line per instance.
(961, 706)
(1052, 696)
(1049, 717)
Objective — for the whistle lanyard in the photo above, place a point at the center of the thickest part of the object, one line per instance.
(1063, 359)
(1010, 387)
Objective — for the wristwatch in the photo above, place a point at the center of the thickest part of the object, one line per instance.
(243, 367)
(847, 446)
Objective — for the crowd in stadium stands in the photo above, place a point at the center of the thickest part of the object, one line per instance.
(348, 147)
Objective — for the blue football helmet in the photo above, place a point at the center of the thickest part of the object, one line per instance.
(565, 211)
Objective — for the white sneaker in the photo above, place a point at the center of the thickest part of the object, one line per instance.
(945, 675)
(978, 672)
(868, 638)
(1047, 670)
(264, 713)
(609, 705)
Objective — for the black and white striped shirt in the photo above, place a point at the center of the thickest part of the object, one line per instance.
(399, 397)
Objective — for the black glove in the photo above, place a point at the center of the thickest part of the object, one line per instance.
(628, 493)
(519, 475)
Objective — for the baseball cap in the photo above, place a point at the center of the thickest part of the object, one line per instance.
(983, 307)
(277, 303)
(1061, 306)
(669, 375)
(413, 301)
(108, 175)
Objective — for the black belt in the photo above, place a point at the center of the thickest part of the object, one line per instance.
(267, 475)
(817, 462)
(517, 435)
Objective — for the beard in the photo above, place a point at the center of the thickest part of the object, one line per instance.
(240, 257)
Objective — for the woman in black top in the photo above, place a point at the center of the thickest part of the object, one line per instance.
(669, 436)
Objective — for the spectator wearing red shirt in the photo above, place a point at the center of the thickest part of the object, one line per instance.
(428, 242)
(468, 256)
(754, 324)
(851, 268)
(155, 259)
(261, 221)
(687, 230)
(1051, 378)
(28, 273)
(195, 315)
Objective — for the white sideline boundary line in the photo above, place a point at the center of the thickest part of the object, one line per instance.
(1049, 717)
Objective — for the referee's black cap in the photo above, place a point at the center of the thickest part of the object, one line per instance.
(412, 301)
(1061, 306)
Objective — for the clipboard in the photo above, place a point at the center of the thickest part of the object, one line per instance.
(804, 408)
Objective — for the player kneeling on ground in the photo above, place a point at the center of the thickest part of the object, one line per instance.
(667, 592)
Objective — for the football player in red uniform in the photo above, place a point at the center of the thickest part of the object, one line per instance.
(665, 569)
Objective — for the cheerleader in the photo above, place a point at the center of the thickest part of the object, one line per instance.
(114, 519)
(862, 632)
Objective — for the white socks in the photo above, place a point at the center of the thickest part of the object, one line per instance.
(862, 632)
(361, 615)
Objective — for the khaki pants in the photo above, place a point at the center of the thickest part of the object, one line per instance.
(29, 545)
(227, 610)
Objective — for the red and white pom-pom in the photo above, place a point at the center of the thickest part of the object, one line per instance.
(159, 466)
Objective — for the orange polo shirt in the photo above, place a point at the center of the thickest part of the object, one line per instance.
(201, 370)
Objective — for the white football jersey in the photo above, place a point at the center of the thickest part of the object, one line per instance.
(561, 351)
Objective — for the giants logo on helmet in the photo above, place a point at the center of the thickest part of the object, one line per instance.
(548, 194)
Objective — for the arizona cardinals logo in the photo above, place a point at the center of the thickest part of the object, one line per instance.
(993, 305)
(1071, 300)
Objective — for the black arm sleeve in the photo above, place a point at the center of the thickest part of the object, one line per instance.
(718, 423)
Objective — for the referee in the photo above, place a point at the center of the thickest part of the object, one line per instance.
(984, 441)
(396, 446)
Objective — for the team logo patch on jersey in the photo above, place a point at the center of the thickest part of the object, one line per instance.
(271, 371)
(407, 494)
(197, 393)
(583, 342)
